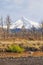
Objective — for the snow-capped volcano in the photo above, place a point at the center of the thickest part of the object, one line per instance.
(26, 23)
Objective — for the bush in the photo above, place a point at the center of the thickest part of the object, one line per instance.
(41, 48)
(31, 49)
(14, 48)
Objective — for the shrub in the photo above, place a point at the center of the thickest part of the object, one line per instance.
(31, 49)
(41, 48)
(14, 48)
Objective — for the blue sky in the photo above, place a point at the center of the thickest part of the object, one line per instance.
(31, 9)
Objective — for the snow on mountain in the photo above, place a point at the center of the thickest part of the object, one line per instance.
(26, 23)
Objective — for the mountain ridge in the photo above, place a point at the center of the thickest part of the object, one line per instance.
(26, 23)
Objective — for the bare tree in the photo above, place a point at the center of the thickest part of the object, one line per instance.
(1, 23)
(2, 29)
(23, 31)
(41, 30)
(33, 31)
(8, 23)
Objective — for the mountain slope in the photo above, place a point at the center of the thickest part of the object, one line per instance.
(26, 23)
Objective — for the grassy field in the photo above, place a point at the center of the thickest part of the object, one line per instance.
(23, 42)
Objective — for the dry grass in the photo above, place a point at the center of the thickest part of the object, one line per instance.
(24, 42)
